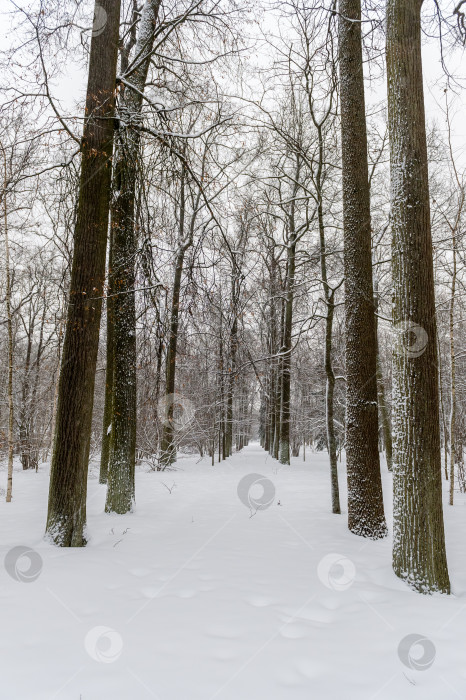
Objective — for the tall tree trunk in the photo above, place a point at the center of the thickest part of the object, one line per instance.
(329, 296)
(329, 406)
(271, 411)
(285, 419)
(220, 375)
(168, 448)
(66, 518)
(24, 412)
(122, 458)
(442, 411)
(286, 350)
(232, 359)
(419, 555)
(121, 468)
(365, 499)
(9, 320)
(185, 241)
(36, 443)
(452, 376)
(265, 415)
(273, 386)
(279, 383)
(107, 418)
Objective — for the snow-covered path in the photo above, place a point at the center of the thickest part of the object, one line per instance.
(195, 597)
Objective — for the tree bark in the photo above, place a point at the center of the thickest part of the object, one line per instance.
(329, 296)
(232, 377)
(284, 455)
(452, 375)
(419, 555)
(121, 468)
(168, 447)
(66, 518)
(286, 347)
(9, 489)
(107, 418)
(365, 499)
(279, 383)
(24, 413)
(442, 411)
(36, 443)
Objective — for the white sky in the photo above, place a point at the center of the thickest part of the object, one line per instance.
(70, 89)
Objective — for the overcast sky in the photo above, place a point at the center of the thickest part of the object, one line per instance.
(70, 89)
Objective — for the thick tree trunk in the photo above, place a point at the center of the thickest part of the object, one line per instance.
(419, 555)
(120, 492)
(365, 499)
(68, 481)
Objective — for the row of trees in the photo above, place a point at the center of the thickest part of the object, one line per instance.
(232, 220)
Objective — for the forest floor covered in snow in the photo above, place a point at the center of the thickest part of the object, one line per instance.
(196, 597)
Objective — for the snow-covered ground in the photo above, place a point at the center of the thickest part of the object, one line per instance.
(191, 598)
